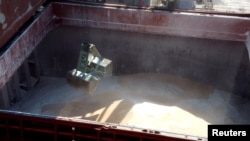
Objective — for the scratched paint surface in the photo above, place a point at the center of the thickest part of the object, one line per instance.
(13, 14)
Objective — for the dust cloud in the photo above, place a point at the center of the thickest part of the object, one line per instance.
(148, 100)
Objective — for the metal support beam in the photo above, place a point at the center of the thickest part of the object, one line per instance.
(4, 98)
(248, 44)
(16, 87)
(26, 79)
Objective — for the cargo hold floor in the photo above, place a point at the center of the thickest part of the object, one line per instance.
(148, 100)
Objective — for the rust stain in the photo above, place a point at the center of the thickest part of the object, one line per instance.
(241, 26)
(97, 14)
(154, 19)
(121, 16)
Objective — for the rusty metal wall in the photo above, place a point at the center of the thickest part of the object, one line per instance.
(122, 19)
(154, 21)
(19, 50)
(13, 14)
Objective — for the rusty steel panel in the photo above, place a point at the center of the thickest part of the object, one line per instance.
(13, 14)
(154, 21)
(21, 48)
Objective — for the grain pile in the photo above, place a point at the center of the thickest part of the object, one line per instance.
(155, 101)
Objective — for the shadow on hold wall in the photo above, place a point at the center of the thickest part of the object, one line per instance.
(242, 79)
